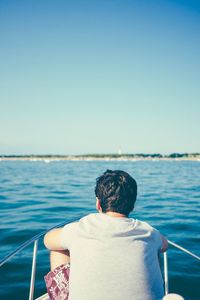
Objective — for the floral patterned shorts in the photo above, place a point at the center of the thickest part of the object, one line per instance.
(57, 283)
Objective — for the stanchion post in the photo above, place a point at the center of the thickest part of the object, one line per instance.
(32, 283)
(166, 273)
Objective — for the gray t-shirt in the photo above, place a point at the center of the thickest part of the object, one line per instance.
(113, 259)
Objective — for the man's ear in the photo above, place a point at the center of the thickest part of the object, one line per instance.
(98, 205)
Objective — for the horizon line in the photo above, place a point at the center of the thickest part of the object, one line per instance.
(102, 154)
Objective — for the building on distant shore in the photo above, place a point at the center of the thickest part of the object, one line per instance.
(119, 152)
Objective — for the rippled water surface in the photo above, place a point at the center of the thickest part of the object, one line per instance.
(35, 195)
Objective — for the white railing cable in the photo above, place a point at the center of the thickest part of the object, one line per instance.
(34, 238)
(184, 250)
(37, 236)
(166, 273)
(166, 281)
(32, 283)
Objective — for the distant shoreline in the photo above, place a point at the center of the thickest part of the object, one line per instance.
(102, 157)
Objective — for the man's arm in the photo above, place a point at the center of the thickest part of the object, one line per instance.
(52, 239)
(164, 244)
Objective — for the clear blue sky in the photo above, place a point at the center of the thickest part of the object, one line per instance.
(90, 76)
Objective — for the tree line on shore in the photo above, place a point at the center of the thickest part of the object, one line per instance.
(109, 155)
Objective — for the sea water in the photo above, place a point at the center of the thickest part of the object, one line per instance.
(34, 196)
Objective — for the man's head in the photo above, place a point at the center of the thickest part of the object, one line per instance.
(116, 192)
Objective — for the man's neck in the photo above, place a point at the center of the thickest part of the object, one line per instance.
(115, 214)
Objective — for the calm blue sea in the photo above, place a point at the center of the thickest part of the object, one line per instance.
(36, 195)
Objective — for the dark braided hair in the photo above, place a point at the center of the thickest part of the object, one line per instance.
(116, 191)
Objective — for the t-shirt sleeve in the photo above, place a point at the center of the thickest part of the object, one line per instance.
(67, 235)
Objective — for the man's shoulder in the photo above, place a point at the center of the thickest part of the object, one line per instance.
(152, 233)
(82, 219)
(142, 225)
(90, 216)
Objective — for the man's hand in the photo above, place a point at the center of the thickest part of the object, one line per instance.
(164, 244)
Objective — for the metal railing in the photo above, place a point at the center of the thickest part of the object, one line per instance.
(35, 239)
(166, 281)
